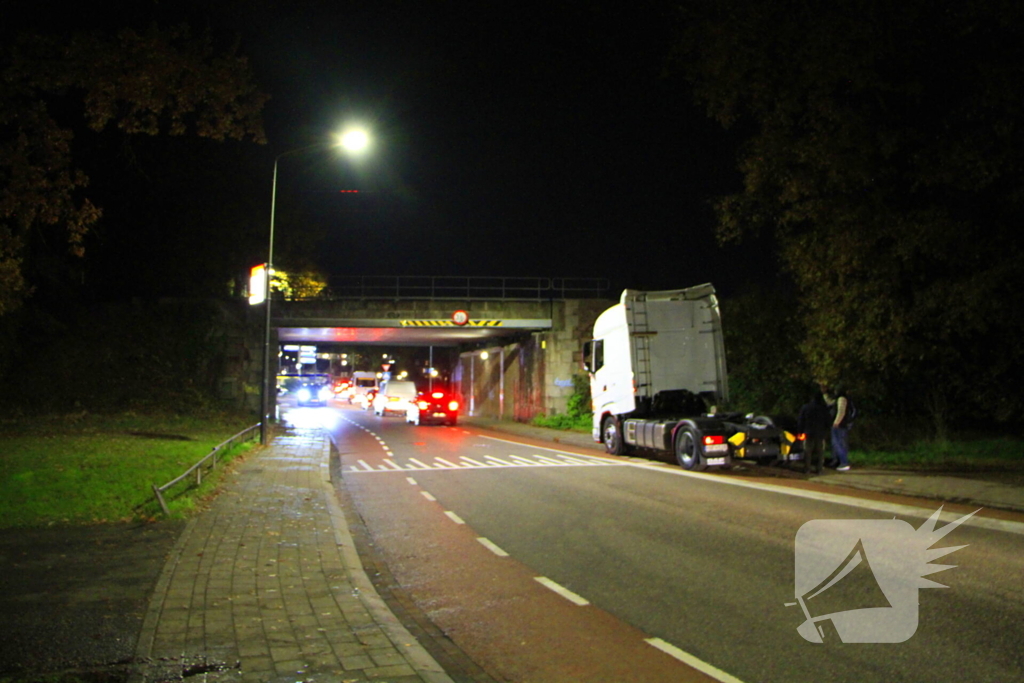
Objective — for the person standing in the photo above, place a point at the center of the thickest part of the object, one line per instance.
(815, 423)
(843, 413)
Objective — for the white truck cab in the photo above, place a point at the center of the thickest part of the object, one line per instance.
(652, 342)
(657, 376)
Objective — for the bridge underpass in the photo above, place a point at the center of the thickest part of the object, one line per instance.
(516, 359)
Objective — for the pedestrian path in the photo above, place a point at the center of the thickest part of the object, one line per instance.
(265, 585)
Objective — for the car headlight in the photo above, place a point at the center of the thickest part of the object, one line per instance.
(325, 394)
(304, 394)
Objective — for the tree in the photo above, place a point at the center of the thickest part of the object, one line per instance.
(762, 332)
(885, 156)
(151, 82)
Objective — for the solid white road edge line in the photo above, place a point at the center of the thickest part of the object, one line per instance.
(564, 592)
(692, 661)
(879, 506)
(492, 547)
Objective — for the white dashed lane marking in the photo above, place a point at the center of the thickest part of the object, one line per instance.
(454, 517)
(489, 462)
(492, 547)
(562, 590)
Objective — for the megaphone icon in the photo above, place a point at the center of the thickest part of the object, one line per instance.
(847, 598)
(851, 586)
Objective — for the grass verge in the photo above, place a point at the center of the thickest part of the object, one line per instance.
(83, 468)
(965, 454)
(565, 423)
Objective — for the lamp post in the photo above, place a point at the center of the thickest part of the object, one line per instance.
(354, 141)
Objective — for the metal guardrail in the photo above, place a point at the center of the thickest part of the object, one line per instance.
(469, 287)
(211, 458)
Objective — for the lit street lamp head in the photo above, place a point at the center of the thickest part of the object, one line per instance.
(354, 140)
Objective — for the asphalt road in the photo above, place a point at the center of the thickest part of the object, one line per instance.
(704, 566)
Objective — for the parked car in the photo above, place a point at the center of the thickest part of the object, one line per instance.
(394, 397)
(435, 407)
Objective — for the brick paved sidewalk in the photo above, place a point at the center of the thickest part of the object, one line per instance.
(266, 585)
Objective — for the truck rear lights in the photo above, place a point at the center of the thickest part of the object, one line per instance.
(714, 439)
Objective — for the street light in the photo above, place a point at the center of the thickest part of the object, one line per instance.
(353, 140)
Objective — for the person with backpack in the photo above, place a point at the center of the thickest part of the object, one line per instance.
(843, 412)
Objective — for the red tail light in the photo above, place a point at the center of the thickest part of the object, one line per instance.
(422, 405)
(714, 439)
(454, 405)
(801, 437)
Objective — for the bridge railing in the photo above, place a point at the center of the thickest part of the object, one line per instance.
(469, 287)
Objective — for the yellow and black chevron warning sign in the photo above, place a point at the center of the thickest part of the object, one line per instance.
(450, 323)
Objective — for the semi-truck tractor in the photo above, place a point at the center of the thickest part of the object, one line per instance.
(658, 383)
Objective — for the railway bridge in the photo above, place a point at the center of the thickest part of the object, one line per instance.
(517, 339)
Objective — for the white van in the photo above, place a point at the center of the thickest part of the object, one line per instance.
(394, 398)
(363, 383)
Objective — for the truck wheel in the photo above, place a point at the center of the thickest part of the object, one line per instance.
(611, 435)
(688, 451)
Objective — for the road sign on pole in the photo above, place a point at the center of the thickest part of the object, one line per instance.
(257, 284)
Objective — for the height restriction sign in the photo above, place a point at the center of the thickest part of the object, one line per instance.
(460, 317)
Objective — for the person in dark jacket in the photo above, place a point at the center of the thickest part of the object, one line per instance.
(815, 423)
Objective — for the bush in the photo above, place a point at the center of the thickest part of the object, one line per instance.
(578, 415)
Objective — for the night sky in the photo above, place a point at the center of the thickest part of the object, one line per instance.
(506, 141)
(509, 143)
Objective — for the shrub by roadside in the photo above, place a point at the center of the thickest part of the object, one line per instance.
(578, 415)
